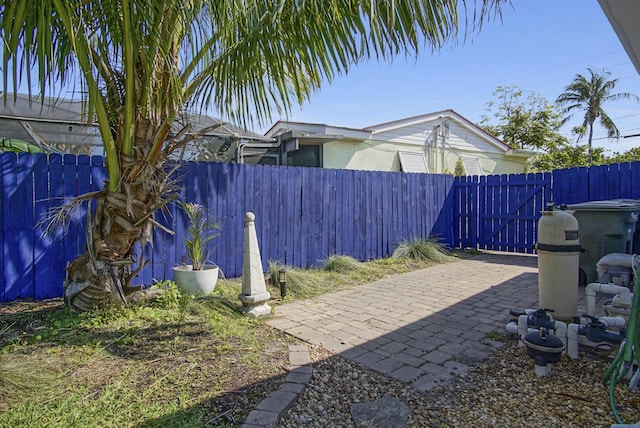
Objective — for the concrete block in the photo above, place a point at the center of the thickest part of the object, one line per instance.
(277, 402)
(261, 418)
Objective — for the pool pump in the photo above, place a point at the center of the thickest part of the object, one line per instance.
(532, 320)
(545, 349)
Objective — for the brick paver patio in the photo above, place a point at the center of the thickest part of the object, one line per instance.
(421, 327)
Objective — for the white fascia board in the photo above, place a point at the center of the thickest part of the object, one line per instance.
(319, 129)
(402, 123)
(348, 133)
(623, 17)
(519, 153)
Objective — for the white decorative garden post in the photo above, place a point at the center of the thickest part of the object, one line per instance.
(254, 296)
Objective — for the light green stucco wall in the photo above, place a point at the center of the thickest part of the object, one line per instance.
(382, 156)
(369, 156)
(492, 163)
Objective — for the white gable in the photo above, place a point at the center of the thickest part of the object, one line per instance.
(445, 129)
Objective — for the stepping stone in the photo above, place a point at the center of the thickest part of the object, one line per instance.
(385, 412)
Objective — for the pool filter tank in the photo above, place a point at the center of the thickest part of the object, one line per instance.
(559, 251)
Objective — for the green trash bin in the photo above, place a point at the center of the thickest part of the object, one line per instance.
(605, 227)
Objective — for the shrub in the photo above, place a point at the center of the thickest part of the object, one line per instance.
(459, 170)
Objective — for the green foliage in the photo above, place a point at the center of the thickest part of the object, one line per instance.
(48, 327)
(201, 231)
(170, 297)
(459, 170)
(530, 122)
(224, 318)
(496, 335)
(168, 361)
(142, 67)
(523, 122)
(138, 66)
(337, 272)
(632, 155)
(567, 156)
(152, 364)
(422, 249)
(273, 271)
(19, 146)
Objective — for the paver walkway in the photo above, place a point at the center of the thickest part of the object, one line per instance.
(421, 327)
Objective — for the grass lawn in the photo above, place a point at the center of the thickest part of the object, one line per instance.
(170, 361)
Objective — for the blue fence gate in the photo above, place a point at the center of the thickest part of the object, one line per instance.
(499, 212)
(508, 210)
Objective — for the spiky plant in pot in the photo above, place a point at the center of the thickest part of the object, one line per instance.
(202, 230)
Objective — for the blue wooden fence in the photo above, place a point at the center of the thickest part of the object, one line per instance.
(615, 181)
(303, 215)
(501, 212)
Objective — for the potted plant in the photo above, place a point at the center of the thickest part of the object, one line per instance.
(199, 277)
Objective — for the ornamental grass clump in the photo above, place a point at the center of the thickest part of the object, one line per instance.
(201, 231)
(423, 250)
(341, 264)
(301, 283)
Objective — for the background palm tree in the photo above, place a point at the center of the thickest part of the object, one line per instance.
(589, 93)
(139, 65)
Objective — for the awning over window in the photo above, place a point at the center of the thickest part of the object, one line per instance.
(413, 162)
(472, 166)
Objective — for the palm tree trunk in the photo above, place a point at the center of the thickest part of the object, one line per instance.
(100, 275)
(589, 145)
(103, 274)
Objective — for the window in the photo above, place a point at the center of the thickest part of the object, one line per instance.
(413, 162)
(310, 155)
(472, 166)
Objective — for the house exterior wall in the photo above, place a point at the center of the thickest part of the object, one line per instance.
(491, 163)
(365, 156)
(442, 150)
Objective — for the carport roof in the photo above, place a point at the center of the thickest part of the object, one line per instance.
(51, 113)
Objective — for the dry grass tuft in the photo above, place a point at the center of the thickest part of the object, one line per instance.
(423, 250)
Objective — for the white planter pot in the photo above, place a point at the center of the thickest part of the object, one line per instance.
(196, 282)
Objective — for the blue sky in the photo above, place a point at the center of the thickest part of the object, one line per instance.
(539, 46)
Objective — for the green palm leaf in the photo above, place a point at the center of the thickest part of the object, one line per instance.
(139, 65)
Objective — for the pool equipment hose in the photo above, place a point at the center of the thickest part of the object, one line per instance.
(628, 352)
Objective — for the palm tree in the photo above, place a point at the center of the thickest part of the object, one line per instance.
(140, 65)
(589, 94)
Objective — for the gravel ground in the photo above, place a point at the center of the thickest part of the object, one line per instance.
(503, 391)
